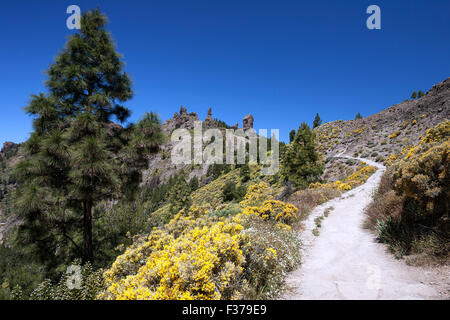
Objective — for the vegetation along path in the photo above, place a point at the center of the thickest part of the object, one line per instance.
(344, 260)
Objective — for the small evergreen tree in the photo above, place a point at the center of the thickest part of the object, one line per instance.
(358, 116)
(317, 121)
(244, 172)
(230, 192)
(301, 162)
(420, 94)
(291, 135)
(414, 95)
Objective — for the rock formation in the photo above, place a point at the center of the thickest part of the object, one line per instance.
(248, 121)
(182, 120)
(7, 146)
(209, 116)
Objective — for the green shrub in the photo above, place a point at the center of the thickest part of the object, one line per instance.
(396, 234)
(230, 192)
(180, 195)
(226, 212)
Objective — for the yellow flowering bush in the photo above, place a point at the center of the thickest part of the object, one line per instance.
(274, 210)
(356, 131)
(415, 192)
(336, 185)
(422, 173)
(257, 194)
(355, 179)
(202, 263)
(391, 159)
(394, 135)
(283, 226)
(197, 257)
(439, 133)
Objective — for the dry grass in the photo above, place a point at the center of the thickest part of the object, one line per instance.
(385, 203)
(306, 200)
(429, 250)
(383, 206)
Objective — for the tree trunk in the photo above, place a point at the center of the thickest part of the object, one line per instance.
(88, 253)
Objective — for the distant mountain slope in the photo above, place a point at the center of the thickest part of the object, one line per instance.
(389, 131)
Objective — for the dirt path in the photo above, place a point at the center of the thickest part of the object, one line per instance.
(346, 262)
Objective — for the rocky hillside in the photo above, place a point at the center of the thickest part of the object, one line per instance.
(389, 131)
(161, 167)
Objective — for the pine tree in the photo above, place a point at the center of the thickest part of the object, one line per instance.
(291, 135)
(420, 94)
(317, 121)
(301, 161)
(76, 157)
(358, 116)
(414, 95)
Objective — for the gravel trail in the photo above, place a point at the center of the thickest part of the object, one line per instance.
(346, 262)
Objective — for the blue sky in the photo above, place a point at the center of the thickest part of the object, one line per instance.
(282, 61)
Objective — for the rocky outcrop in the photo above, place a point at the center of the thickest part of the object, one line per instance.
(209, 116)
(209, 121)
(248, 121)
(8, 145)
(182, 120)
(161, 167)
